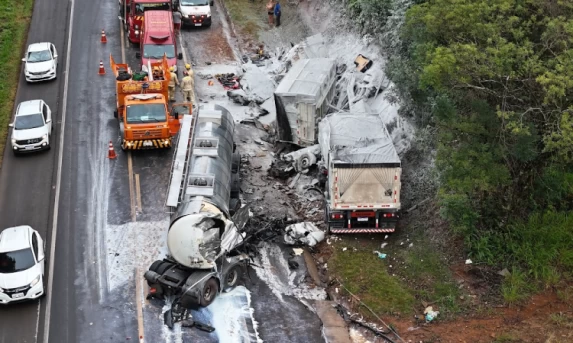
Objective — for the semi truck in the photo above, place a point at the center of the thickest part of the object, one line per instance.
(203, 196)
(363, 170)
(142, 113)
(131, 14)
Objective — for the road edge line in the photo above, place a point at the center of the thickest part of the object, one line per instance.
(58, 180)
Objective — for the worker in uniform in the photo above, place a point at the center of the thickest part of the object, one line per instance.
(173, 81)
(187, 86)
(189, 70)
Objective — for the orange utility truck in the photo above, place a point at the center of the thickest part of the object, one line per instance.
(142, 110)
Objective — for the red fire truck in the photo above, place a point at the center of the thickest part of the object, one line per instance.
(131, 13)
(158, 39)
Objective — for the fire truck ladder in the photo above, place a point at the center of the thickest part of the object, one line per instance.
(181, 159)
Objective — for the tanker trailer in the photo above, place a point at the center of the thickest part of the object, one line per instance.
(202, 235)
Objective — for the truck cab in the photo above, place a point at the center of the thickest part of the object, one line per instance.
(131, 12)
(158, 39)
(195, 12)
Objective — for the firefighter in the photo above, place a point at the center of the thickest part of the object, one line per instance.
(187, 86)
(156, 73)
(189, 70)
(173, 81)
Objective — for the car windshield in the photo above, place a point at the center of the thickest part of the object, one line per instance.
(157, 6)
(157, 51)
(16, 261)
(194, 3)
(29, 121)
(154, 113)
(39, 56)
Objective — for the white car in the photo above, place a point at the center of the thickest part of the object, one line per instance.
(21, 264)
(32, 127)
(41, 62)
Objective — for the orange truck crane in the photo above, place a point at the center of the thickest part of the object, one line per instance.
(142, 110)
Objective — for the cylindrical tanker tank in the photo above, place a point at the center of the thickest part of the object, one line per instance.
(200, 219)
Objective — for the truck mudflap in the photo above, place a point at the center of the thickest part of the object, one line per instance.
(146, 144)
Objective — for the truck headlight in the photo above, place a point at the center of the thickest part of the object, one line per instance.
(44, 137)
(137, 32)
(136, 27)
(35, 281)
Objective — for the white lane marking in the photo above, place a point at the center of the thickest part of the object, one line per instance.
(58, 181)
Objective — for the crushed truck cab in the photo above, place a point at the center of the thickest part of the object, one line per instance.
(142, 111)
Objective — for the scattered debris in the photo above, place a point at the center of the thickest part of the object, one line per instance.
(303, 233)
(430, 314)
(304, 158)
(468, 261)
(383, 245)
(362, 63)
(380, 255)
(292, 264)
(504, 272)
(297, 251)
(229, 81)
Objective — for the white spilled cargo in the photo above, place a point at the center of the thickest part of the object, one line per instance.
(203, 197)
(363, 174)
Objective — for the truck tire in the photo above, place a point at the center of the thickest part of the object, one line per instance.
(209, 293)
(235, 186)
(232, 277)
(235, 162)
(155, 265)
(161, 267)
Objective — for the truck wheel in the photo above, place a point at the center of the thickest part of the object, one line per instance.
(232, 278)
(161, 267)
(235, 162)
(209, 293)
(155, 265)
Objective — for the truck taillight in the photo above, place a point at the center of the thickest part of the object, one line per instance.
(336, 216)
(388, 215)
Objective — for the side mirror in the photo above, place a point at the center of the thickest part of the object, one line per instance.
(212, 3)
(24, 59)
(11, 125)
(48, 121)
(180, 56)
(56, 56)
(138, 55)
(41, 257)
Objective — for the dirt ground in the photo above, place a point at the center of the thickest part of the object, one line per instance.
(547, 317)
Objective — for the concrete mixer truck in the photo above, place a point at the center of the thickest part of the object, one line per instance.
(203, 195)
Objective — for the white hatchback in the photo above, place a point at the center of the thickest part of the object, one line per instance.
(32, 127)
(21, 264)
(41, 62)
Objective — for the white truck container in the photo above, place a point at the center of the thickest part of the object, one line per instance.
(203, 196)
(363, 174)
(302, 98)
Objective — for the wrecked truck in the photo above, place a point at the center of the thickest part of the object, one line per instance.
(203, 195)
(363, 174)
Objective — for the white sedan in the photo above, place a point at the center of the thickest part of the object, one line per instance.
(32, 127)
(41, 62)
(21, 264)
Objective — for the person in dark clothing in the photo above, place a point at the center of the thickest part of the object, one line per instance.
(278, 13)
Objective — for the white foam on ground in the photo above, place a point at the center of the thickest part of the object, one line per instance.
(357, 337)
(131, 246)
(231, 314)
(270, 272)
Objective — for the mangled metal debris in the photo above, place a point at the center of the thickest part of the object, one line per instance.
(305, 233)
(362, 63)
(304, 158)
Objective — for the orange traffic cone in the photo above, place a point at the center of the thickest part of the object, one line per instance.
(101, 69)
(103, 37)
(210, 82)
(111, 153)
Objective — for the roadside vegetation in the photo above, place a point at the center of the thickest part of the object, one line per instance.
(247, 16)
(495, 81)
(14, 21)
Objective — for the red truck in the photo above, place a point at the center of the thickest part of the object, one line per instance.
(158, 39)
(131, 13)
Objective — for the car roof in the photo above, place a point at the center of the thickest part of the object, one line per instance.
(29, 107)
(15, 238)
(39, 46)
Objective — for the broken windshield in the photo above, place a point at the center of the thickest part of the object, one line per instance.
(146, 113)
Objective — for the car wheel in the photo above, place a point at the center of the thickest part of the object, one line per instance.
(210, 290)
(232, 278)
(16, 153)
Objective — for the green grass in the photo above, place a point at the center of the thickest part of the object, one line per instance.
(365, 275)
(505, 338)
(248, 16)
(14, 20)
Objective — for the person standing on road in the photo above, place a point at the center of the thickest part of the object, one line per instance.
(177, 21)
(173, 81)
(187, 86)
(189, 70)
(270, 12)
(278, 13)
